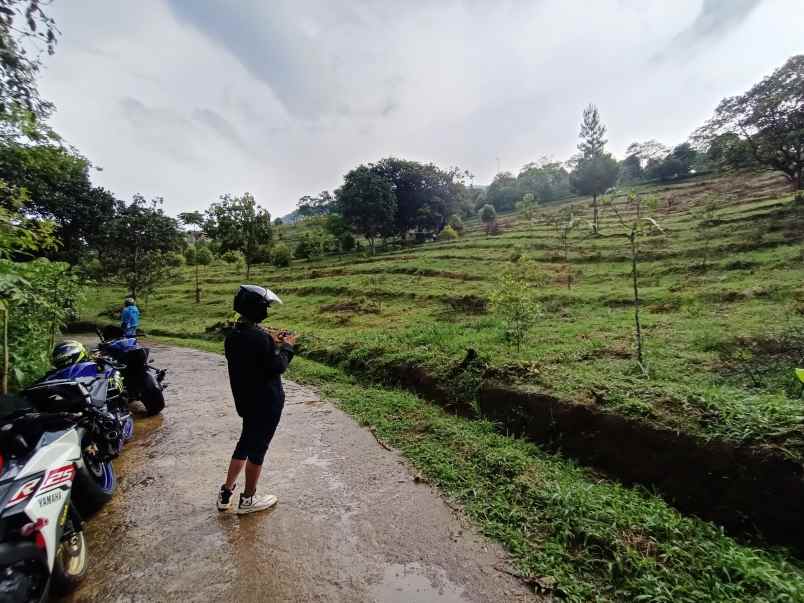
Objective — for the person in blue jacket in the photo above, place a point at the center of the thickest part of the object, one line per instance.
(130, 317)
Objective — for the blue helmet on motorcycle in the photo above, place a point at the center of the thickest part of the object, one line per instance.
(252, 302)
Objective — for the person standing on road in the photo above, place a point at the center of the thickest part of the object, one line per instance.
(256, 362)
(130, 317)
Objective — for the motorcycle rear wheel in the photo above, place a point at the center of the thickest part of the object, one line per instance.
(153, 398)
(71, 563)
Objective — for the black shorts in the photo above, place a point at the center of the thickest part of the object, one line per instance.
(258, 430)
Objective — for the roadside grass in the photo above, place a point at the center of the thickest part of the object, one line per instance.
(570, 532)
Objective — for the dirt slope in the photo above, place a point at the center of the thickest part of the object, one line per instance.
(352, 523)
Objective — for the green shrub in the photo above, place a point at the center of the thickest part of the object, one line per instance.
(280, 255)
(448, 234)
(40, 297)
(347, 242)
(233, 257)
(456, 223)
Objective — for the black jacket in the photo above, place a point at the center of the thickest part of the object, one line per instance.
(255, 365)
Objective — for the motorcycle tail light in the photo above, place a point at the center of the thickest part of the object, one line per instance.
(25, 492)
(40, 541)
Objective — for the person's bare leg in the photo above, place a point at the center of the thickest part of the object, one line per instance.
(252, 477)
(235, 467)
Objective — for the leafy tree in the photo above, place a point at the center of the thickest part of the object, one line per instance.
(239, 224)
(309, 206)
(425, 195)
(592, 133)
(547, 181)
(727, 151)
(278, 222)
(25, 31)
(140, 249)
(769, 118)
(368, 204)
(594, 176)
(198, 255)
(280, 256)
(488, 215)
(595, 170)
(503, 192)
(647, 151)
(630, 169)
(58, 189)
(514, 300)
(194, 219)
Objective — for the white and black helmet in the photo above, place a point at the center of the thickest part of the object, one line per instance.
(252, 302)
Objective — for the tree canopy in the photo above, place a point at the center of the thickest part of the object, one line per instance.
(769, 118)
(368, 204)
(239, 224)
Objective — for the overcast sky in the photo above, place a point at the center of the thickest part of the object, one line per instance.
(190, 99)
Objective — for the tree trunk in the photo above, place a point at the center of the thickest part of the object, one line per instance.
(6, 354)
(594, 213)
(637, 323)
(248, 270)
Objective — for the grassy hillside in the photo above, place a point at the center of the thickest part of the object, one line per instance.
(722, 337)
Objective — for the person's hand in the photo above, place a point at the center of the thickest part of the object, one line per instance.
(289, 339)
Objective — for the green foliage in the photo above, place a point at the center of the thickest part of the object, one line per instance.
(234, 258)
(769, 118)
(488, 214)
(37, 298)
(140, 247)
(368, 204)
(26, 30)
(514, 301)
(456, 223)
(280, 255)
(448, 234)
(503, 193)
(546, 180)
(58, 188)
(239, 224)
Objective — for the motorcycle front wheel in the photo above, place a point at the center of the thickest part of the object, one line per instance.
(71, 563)
(95, 482)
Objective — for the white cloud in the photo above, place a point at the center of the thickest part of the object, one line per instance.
(192, 99)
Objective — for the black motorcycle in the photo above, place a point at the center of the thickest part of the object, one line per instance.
(141, 380)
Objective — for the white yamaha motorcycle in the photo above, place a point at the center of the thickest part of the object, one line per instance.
(42, 544)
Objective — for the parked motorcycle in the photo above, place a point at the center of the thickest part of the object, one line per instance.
(101, 433)
(45, 460)
(141, 380)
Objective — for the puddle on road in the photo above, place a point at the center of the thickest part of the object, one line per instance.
(409, 583)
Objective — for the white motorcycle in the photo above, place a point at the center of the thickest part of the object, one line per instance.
(42, 544)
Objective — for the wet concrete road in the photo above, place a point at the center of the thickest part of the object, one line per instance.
(351, 524)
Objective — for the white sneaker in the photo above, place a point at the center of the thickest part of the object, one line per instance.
(225, 498)
(252, 504)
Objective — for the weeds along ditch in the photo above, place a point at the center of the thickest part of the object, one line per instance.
(714, 422)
